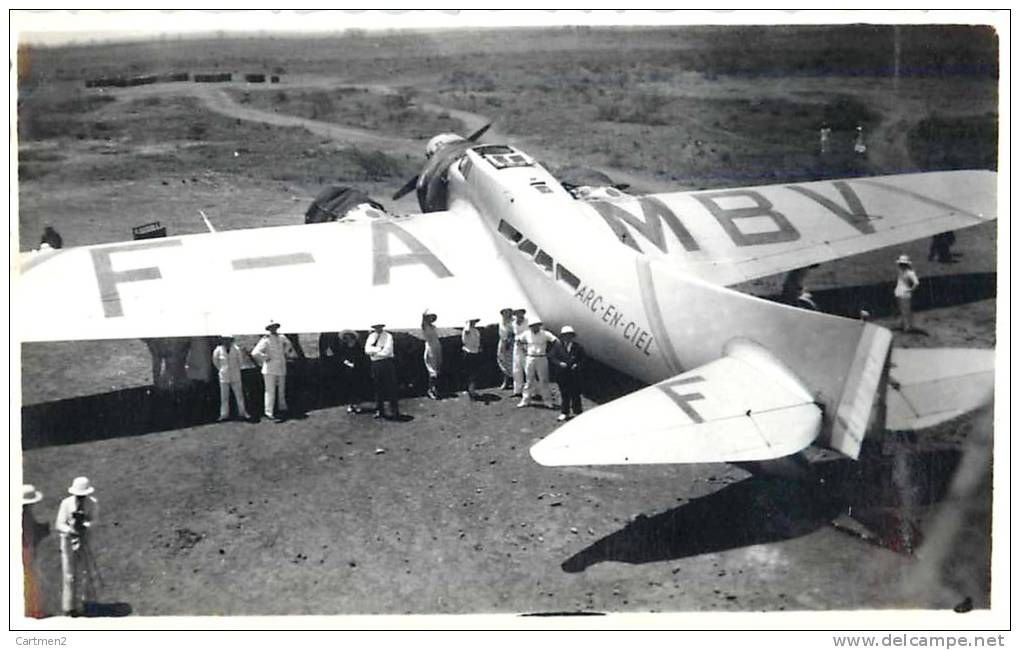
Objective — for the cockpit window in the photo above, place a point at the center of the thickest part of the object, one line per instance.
(501, 156)
(494, 149)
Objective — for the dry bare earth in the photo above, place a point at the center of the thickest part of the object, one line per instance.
(306, 517)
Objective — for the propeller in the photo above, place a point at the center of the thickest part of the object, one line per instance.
(479, 133)
(408, 186)
(413, 183)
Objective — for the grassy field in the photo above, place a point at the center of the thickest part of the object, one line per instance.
(356, 107)
(310, 517)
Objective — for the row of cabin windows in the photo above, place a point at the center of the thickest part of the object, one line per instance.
(542, 259)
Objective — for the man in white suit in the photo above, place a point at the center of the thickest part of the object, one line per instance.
(229, 360)
(271, 353)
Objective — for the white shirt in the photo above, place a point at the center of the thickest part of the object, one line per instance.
(271, 352)
(906, 283)
(471, 339)
(431, 335)
(379, 345)
(537, 342)
(65, 521)
(228, 362)
(519, 330)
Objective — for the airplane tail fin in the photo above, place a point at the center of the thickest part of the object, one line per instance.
(930, 386)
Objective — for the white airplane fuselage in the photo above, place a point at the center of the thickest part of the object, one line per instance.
(633, 312)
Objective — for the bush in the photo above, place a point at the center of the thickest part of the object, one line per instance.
(844, 114)
(375, 165)
(941, 142)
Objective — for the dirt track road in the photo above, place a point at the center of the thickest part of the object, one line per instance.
(216, 99)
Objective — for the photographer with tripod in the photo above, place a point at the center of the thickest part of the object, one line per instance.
(75, 518)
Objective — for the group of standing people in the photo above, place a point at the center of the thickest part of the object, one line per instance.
(825, 140)
(795, 293)
(271, 354)
(76, 516)
(523, 355)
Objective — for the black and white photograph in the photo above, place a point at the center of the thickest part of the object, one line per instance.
(552, 318)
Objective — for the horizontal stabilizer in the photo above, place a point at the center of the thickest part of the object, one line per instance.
(744, 406)
(929, 386)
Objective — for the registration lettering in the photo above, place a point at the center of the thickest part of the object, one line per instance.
(745, 215)
(759, 207)
(108, 279)
(384, 261)
(683, 400)
(655, 213)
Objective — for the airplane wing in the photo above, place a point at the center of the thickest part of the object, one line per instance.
(744, 406)
(310, 278)
(734, 235)
(929, 386)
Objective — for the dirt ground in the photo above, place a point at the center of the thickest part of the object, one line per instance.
(332, 513)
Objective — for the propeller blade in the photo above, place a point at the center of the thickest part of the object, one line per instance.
(479, 133)
(408, 186)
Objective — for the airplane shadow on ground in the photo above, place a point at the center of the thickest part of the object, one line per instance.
(106, 610)
(312, 384)
(882, 495)
(933, 293)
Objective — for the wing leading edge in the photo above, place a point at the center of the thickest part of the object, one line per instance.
(311, 278)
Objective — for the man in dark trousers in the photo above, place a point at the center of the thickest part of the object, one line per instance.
(568, 359)
(379, 348)
(51, 237)
(941, 247)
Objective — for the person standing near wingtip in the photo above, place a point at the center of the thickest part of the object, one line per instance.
(505, 348)
(228, 359)
(379, 348)
(906, 283)
(32, 532)
(271, 353)
(75, 519)
(859, 147)
(520, 354)
(471, 349)
(433, 352)
(568, 356)
(824, 135)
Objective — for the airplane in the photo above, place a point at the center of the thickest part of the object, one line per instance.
(644, 281)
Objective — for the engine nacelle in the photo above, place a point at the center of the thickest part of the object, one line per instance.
(442, 151)
(339, 201)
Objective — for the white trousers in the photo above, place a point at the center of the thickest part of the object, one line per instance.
(518, 369)
(225, 389)
(433, 360)
(73, 596)
(906, 312)
(275, 384)
(536, 370)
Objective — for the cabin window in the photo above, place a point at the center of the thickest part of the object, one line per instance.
(509, 232)
(545, 261)
(567, 278)
(527, 247)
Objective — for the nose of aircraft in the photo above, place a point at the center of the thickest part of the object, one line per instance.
(436, 144)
